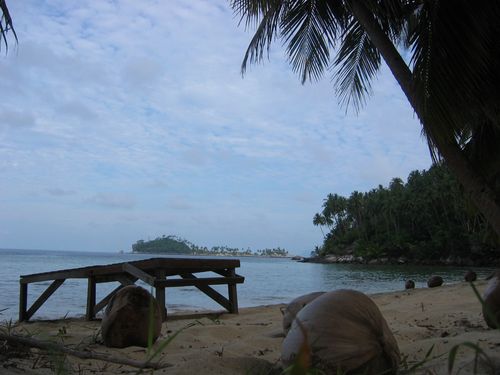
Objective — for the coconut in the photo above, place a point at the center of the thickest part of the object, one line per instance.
(470, 276)
(491, 297)
(410, 284)
(291, 310)
(342, 330)
(126, 321)
(434, 281)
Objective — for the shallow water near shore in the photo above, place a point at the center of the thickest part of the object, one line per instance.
(267, 281)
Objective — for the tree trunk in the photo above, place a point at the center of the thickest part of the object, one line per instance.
(473, 183)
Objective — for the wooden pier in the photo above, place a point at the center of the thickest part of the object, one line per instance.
(160, 273)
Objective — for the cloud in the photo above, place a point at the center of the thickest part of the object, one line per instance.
(179, 204)
(17, 119)
(110, 200)
(58, 192)
(146, 99)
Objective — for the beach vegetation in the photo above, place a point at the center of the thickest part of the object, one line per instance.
(428, 218)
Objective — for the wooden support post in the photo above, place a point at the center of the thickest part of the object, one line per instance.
(23, 301)
(43, 297)
(160, 295)
(233, 295)
(212, 293)
(91, 294)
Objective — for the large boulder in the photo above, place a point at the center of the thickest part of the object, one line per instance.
(344, 331)
(491, 297)
(126, 321)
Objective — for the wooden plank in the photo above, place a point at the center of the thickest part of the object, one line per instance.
(126, 280)
(233, 295)
(91, 289)
(140, 274)
(23, 301)
(44, 296)
(212, 293)
(58, 275)
(198, 264)
(199, 281)
(160, 295)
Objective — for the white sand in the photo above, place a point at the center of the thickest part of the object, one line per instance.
(249, 343)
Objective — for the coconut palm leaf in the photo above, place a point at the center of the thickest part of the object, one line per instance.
(357, 63)
(267, 15)
(454, 60)
(310, 28)
(5, 25)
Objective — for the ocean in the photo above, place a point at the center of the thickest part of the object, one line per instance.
(267, 281)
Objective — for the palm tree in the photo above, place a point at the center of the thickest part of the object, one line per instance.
(5, 24)
(450, 80)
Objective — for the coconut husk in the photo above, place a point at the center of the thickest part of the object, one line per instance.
(410, 284)
(126, 320)
(291, 310)
(470, 276)
(343, 330)
(491, 297)
(434, 281)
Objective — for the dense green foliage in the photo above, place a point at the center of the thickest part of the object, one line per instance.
(164, 244)
(428, 218)
(178, 246)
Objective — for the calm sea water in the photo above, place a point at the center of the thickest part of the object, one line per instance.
(267, 281)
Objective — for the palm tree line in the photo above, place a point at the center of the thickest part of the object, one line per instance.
(426, 219)
(176, 245)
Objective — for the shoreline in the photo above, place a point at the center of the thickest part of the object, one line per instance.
(222, 343)
(211, 255)
(450, 261)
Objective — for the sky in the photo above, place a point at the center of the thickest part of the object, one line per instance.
(125, 120)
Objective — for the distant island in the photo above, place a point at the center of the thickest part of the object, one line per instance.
(175, 245)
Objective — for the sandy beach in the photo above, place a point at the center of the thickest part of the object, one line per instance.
(249, 343)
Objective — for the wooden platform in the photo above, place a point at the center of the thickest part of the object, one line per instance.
(160, 273)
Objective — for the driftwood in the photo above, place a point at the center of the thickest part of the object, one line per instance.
(50, 346)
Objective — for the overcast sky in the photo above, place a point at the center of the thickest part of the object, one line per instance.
(126, 120)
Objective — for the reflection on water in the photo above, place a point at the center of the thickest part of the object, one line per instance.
(267, 281)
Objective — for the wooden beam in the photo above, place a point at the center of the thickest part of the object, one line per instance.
(58, 275)
(212, 293)
(160, 295)
(200, 281)
(140, 274)
(91, 286)
(126, 280)
(23, 301)
(232, 293)
(44, 296)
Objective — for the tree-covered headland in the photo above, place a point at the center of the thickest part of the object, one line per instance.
(178, 246)
(428, 219)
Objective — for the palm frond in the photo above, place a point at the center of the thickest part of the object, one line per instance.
(269, 13)
(310, 28)
(5, 25)
(356, 64)
(455, 66)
